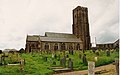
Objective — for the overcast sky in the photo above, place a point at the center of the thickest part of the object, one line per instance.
(21, 17)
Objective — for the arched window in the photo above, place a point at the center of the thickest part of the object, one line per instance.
(63, 46)
(46, 46)
(56, 46)
(33, 45)
(78, 47)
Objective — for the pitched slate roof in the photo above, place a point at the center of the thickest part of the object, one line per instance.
(59, 35)
(54, 37)
(32, 38)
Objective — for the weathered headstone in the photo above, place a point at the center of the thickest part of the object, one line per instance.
(91, 67)
(117, 66)
(63, 62)
(22, 62)
(70, 64)
(84, 59)
(108, 52)
(55, 56)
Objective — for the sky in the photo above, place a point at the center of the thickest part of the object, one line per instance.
(19, 18)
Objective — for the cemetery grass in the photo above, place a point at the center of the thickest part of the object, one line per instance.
(37, 65)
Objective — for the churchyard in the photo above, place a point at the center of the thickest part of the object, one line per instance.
(48, 63)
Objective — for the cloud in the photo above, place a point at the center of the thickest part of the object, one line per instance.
(21, 17)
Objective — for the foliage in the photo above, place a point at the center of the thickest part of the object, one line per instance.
(0, 51)
(21, 50)
(36, 65)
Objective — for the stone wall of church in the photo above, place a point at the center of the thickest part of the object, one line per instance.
(60, 46)
(32, 46)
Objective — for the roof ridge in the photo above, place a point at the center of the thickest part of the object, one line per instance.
(58, 33)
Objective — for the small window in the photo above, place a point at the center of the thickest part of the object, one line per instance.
(46, 46)
(63, 46)
(56, 46)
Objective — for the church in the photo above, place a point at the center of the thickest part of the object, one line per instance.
(78, 40)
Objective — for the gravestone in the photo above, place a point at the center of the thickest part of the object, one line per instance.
(108, 52)
(55, 56)
(91, 67)
(84, 59)
(117, 66)
(22, 62)
(70, 64)
(63, 62)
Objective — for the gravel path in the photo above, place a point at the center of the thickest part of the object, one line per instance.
(106, 70)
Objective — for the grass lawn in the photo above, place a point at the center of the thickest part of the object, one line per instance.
(35, 63)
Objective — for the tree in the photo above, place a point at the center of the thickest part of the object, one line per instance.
(0, 51)
(21, 50)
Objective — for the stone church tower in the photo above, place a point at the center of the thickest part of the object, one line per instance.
(81, 25)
